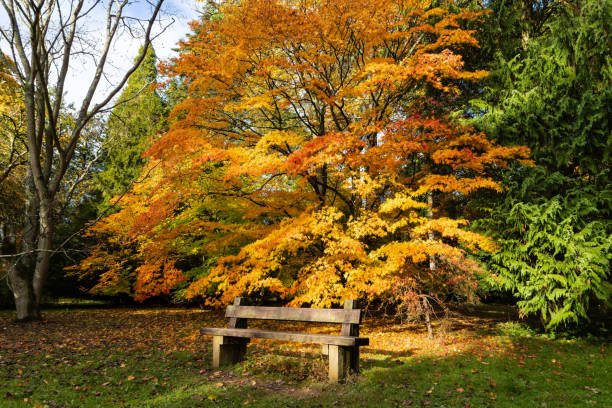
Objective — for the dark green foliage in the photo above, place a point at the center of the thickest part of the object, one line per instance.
(140, 115)
(557, 269)
(555, 220)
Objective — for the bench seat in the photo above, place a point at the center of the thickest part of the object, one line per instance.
(288, 336)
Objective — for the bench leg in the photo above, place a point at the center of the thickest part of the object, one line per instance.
(354, 359)
(338, 362)
(228, 350)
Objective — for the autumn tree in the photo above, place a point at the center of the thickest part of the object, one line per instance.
(317, 121)
(13, 152)
(43, 37)
(162, 237)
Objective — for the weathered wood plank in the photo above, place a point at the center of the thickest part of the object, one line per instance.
(228, 350)
(236, 323)
(287, 336)
(338, 363)
(349, 329)
(295, 314)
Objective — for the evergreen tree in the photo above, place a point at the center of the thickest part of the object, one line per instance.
(140, 114)
(554, 96)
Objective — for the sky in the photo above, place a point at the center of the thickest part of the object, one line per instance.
(125, 48)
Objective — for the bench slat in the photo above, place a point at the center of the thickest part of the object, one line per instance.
(295, 314)
(288, 336)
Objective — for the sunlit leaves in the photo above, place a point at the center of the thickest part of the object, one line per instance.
(310, 136)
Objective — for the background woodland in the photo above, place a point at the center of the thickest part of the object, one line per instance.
(407, 153)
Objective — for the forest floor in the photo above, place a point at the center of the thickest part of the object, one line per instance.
(155, 357)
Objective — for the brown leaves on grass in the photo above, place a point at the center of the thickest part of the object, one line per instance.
(150, 352)
(76, 338)
(80, 331)
(173, 329)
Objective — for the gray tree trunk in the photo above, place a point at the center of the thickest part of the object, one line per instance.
(20, 274)
(426, 309)
(43, 259)
(41, 66)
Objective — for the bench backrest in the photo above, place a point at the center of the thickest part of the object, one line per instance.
(349, 317)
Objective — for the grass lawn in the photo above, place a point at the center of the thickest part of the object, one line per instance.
(156, 358)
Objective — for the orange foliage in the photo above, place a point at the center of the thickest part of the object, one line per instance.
(323, 125)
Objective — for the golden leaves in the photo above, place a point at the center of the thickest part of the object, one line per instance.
(307, 145)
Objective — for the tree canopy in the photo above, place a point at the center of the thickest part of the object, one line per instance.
(315, 146)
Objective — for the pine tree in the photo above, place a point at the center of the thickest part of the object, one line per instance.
(139, 116)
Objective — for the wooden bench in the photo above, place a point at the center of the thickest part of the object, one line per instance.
(229, 344)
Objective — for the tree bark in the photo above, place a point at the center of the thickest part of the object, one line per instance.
(430, 235)
(426, 310)
(20, 274)
(525, 19)
(23, 293)
(43, 260)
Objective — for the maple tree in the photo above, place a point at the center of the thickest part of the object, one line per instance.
(314, 159)
(12, 145)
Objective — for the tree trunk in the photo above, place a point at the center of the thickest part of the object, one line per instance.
(43, 260)
(430, 235)
(525, 20)
(426, 310)
(23, 293)
(21, 273)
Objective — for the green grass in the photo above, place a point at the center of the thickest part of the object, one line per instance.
(505, 365)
